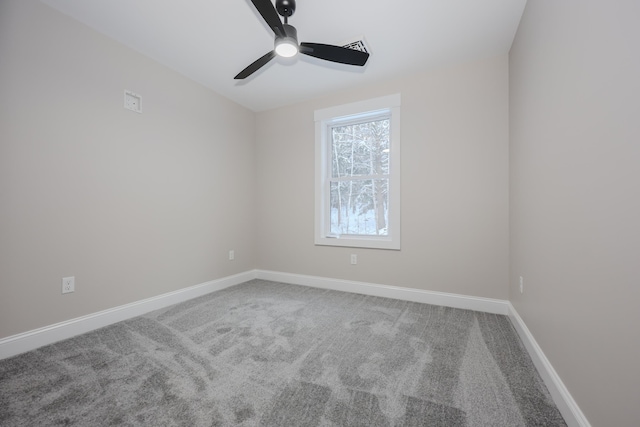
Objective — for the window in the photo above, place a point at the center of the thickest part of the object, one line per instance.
(358, 174)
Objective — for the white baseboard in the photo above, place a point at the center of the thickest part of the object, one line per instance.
(568, 407)
(561, 396)
(31, 340)
(486, 305)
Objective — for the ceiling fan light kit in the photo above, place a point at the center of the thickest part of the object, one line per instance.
(287, 46)
(286, 40)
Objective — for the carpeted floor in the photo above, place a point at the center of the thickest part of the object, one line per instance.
(273, 354)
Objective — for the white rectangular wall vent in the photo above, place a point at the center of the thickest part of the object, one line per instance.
(132, 101)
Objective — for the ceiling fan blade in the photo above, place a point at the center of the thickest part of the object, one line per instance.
(256, 65)
(270, 15)
(340, 54)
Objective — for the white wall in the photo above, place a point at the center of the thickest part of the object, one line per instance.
(454, 186)
(575, 196)
(132, 205)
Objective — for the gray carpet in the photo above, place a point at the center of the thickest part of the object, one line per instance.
(273, 354)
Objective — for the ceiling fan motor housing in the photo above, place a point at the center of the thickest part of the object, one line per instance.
(292, 33)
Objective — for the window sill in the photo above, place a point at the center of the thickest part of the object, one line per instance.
(360, 242)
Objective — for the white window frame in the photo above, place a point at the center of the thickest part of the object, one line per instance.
(324, 119)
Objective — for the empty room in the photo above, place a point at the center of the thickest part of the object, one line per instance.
(319, 213)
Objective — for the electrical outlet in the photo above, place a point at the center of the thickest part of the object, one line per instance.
(68, 284)
(521, 284)
(354, 259)
(232, 255)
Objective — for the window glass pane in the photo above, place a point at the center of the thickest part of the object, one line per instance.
(360, 149)
(360, 207)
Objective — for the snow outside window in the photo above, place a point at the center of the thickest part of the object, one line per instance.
(358, 174)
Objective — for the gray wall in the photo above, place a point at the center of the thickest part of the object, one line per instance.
(138, 205)
(575, 196)
(133, 205)
(454, 186)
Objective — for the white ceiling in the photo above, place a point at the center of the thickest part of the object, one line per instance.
(211, 41)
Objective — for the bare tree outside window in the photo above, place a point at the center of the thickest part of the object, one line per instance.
(359, 183)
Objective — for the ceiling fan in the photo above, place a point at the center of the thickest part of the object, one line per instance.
(286, 40)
